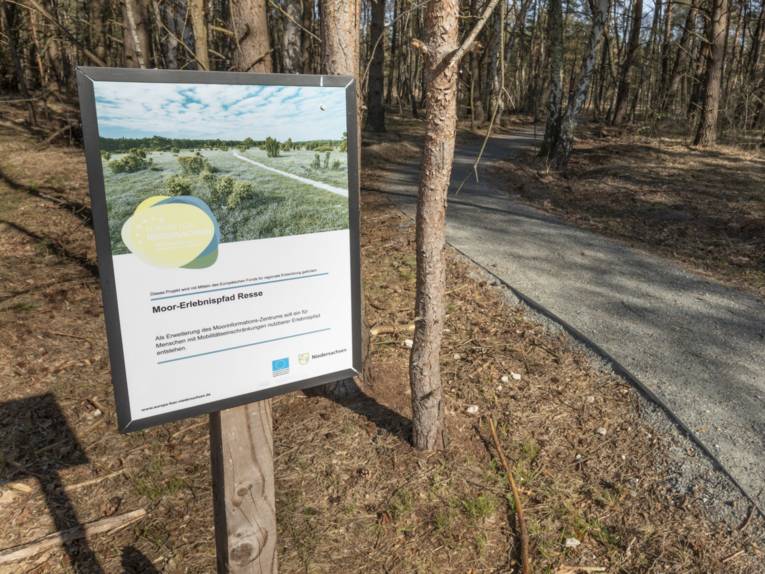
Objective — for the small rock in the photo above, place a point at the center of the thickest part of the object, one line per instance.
(590, 399)
(408, 343)
(472, 410)
(505, 379)
(572, 542)
(457, 356)
(516, 376)
(499, 388)
(601, 431)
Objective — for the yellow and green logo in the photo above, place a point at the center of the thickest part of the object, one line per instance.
(172, 232)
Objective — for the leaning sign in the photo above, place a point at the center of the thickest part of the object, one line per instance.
(225, 209)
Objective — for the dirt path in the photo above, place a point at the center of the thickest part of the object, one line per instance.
(695, 344)
(314, 183)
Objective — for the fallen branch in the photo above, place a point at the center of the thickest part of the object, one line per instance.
(525, 564)
(56, 539)
(93, 481)
(386, 329)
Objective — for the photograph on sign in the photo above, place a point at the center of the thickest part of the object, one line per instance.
(225, 208)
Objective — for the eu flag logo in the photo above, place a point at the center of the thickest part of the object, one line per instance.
(280, 366)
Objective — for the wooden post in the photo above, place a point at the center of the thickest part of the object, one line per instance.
(242, 452)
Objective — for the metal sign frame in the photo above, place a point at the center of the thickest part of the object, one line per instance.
(86, 76)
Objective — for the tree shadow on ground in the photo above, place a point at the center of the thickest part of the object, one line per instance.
(36, 441)
(134, 562)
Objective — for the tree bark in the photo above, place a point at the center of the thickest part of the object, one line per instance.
(441, 17)
(622, 95)
(375, 90)
(564, 145)
(198, 13)
(555, 97)
(442, 61)
(136, 35)
(292, 52)
(706, 134)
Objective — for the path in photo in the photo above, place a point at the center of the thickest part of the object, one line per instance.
(317, 184)
(694, 343)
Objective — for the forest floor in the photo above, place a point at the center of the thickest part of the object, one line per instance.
(603, 483)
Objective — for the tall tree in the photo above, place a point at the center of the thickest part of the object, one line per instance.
(198, 13)
(555, 97)
(442, 59)
(565, 143)
(706, 134)
(375, 95)
(136, 34)
(292, 50)
(622, 94)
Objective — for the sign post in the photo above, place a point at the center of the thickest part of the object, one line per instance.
(241, 450)
(226, 215)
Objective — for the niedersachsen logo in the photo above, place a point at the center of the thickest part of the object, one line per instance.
(280, 366)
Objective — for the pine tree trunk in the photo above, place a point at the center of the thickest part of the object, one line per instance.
(292, 53)
(555, 97)
(706, 133)
(622, 95)
(375, 102)
(198, 12)
(441, 18)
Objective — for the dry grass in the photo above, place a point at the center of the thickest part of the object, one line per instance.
(352, 495)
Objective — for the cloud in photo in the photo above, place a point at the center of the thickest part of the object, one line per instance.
(217, 111)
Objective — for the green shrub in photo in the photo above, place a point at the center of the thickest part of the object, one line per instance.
(337, 165)
(326, 160)
(194, 164)
(178, 185)
(222, 189)
(316, 163)
(134, 160)
(344, 144)
(209, 179)
(271, 147)
(242, 190)
(106, 155)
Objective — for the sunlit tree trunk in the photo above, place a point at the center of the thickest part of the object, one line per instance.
(136, 34)
(198, 13)
(706, 134)
(442, 60)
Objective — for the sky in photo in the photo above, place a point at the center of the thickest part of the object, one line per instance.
(217, 111)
